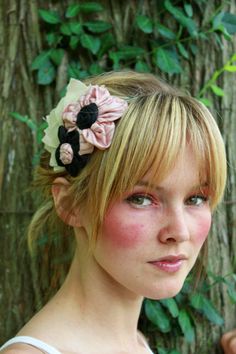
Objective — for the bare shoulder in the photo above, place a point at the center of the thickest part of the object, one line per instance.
(20, 349)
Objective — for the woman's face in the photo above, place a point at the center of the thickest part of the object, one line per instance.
(150, 239)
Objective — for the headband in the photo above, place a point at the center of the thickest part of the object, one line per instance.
(82, 120)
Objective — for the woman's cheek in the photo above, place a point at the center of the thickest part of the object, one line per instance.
(204, 226)
(123, 234)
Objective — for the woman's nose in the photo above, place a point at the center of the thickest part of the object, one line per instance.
(175, 227)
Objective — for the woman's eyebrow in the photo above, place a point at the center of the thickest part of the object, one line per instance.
(160, 188)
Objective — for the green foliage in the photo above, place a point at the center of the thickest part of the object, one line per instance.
(152, 47)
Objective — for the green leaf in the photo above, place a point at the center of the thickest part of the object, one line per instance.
(72, 10)
(142, 67)
(144, 23)
(90, 42)
(171, 305)
(231, 292)
(173, 351)
(165, 32)
(182, 50)
(51, 17)
(74, 69)
(76, 27)
(205, 101)
(53, 38)
(217, 90)
(74, 40)
(194, 48)
(114, 56)
(162, 350)
(24, 119)
(167, 60)
(46, 73)
(186, 326)
(230, 68)
(91, 7)
(204, 306)
(56, 55)
(188, 9)
(95, 69)
(130, 52)
(181, 18)
(98, 26)
(157, 315)
(40, 60)
(217, 20)
(65, 29)
(107, 41)
(229, 22)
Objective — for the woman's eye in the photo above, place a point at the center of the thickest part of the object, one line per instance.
(197, 200)
(140, 200)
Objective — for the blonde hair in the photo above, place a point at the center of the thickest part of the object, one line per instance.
(152, 133)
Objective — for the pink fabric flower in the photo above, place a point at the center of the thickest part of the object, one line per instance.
(100, 134)
(66, 154)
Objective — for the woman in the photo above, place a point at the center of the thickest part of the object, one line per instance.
(135, 168)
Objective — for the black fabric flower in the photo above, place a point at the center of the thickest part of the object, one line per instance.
(87, 116)
(77, 162)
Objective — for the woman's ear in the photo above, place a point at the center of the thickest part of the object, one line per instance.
(63, 203)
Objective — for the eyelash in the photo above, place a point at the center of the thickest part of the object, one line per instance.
(133, 200)
(203, 198)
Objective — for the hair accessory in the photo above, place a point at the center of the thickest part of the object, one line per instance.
(82, 120)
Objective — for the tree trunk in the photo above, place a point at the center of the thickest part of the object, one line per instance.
(27, 282)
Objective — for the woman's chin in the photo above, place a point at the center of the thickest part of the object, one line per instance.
(165, 292)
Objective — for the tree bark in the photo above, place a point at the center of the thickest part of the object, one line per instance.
(26, 282)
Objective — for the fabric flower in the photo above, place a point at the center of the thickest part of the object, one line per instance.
(82, 120)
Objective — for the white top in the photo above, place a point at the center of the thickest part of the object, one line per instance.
(44, 347)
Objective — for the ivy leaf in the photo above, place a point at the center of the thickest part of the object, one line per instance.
(186, 326)
(165, 32)
(182, 50)
(91, 7)
(162, 350)
(130, 52)
(51, 17)
(188, 9)
(95, 69)
(74, 70)
(72, 10)
(230, 68)
(181, 18)
(39, 61)
(171, 305)
(107, 41)
(204, 306)
(65, 29)
(98, 26)
(144, 23)
(157, 315)
(217, 90)
(46, 73)
(167, 60)
(229, 22)
(142, 67)
(76, 27)
(56, 55)
(74, 40)
(53, 38)
(205, 101)
(90, 42)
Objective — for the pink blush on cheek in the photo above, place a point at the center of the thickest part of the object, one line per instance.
(203, 230)
(123, 235)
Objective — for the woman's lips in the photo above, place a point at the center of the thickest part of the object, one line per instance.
(169, 264)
